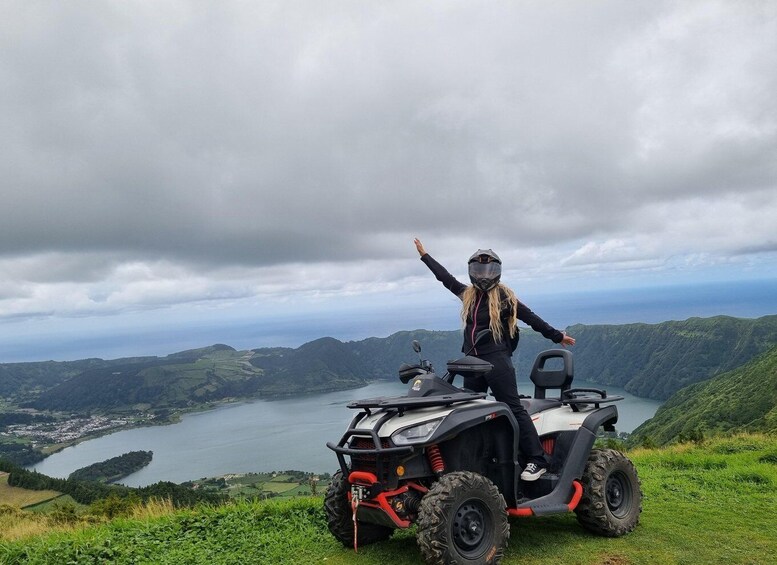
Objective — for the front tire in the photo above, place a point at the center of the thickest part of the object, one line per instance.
(462, 520)
(612, 498)
(339, 516)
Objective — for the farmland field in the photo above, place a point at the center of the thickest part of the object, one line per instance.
(22, 497)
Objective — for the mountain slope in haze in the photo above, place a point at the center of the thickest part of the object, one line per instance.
(322, 365)
(201, 376)
(744, 399)
(23, 379)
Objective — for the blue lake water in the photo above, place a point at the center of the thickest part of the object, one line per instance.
(259, 436)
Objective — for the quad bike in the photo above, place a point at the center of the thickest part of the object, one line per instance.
(447, 460)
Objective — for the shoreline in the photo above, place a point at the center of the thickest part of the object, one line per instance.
(176, 416)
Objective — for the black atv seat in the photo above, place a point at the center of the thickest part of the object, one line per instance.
(561, 379)
(535, 405)
(544, 379)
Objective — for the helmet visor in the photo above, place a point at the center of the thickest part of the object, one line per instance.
(485, 271)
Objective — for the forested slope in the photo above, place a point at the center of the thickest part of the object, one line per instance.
(744, 399)
(657, 360)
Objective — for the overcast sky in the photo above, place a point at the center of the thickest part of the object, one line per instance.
(199, 162)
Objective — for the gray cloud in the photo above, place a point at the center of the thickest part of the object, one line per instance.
(220, 138)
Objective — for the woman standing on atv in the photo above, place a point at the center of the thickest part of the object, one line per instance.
(488, 303)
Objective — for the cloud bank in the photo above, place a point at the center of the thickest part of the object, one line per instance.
(158, 154)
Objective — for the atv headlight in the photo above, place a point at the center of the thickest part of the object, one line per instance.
(416, 434)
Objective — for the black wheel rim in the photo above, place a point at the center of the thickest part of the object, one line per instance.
(618, 494)
(471, 528)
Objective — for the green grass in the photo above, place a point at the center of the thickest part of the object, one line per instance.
(711, 503)
(49, 505)
(273, 486)
(263, 485)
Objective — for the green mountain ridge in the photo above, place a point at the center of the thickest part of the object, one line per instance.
(744, 399)
(649, 360)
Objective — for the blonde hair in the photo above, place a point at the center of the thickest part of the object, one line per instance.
(469, 298)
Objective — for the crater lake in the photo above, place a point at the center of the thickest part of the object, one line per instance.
(262, 436)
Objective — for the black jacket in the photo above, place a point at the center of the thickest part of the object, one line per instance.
(481, 318)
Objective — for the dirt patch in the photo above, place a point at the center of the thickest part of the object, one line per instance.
(614, 560)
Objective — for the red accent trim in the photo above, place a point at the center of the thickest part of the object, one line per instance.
(435, 458)
(475, 322)
(381, 501)
(521, 512)
(362, 477)
(384, 505)
(548, 445)
(419, 488)
(578, 494)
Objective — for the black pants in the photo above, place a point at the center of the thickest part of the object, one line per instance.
(504, 387)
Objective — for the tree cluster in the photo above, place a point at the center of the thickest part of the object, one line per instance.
(11, 418)
(86, 492)
(115, 468)
(22, 454)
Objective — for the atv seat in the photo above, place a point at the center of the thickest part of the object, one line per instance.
(545, 379)
(535, 405)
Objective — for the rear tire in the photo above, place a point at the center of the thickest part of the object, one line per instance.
(612, 498)
(463, 520)
(339, 516)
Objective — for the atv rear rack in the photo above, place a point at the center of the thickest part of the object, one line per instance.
(573, 398)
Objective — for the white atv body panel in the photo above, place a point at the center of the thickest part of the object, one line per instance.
(553, 420)
(411, 417)
(559, 419)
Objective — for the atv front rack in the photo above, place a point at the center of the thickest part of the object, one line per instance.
(382, 454)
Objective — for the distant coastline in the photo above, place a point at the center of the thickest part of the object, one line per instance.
(176, 416)
(650, 304)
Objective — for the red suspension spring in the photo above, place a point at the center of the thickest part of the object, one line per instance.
(435, 458)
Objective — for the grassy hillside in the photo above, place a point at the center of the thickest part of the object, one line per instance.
(704, 504)
(742, 399)
(15, 496)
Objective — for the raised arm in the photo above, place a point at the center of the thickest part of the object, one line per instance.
(539, 325)
(420, 247)
(440, 273)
